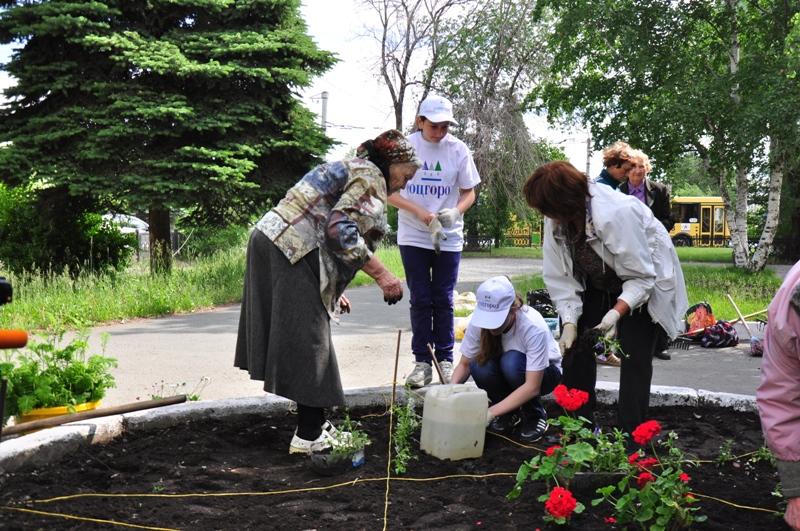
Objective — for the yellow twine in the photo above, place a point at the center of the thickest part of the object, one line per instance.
(86, 519)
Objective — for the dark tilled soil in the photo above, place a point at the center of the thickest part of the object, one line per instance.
(238, 475)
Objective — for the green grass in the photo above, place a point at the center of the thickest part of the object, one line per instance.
(686, 254)
(66, 303)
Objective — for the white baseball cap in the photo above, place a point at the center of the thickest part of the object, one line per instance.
(437, 109)
(494, 297)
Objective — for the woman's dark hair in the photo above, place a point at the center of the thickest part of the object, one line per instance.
(557, 190)
(376, 157)
(491, 346)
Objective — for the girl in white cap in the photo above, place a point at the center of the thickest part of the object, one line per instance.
(511, 354)
(430, 233)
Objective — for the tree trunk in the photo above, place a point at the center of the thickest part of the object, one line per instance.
(160, 240)
(777, 170)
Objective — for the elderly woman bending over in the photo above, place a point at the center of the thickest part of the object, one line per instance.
(301, 256)
(608, 264)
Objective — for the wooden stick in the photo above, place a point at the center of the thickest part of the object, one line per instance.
(436, 364)
(739, 313)
(103, 412)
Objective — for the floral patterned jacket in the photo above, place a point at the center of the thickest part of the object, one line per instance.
(337, 208)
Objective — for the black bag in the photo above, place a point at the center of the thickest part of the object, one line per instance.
(539, 300)
(721, 334)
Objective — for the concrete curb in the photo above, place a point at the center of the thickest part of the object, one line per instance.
(48, 445)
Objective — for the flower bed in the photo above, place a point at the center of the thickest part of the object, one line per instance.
(236, 473)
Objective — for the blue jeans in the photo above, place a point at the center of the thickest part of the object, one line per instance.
(501, 376)
(431, 279)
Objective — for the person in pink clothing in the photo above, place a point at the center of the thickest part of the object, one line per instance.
(778, 396)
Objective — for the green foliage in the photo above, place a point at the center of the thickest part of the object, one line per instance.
(161, 104)
(48, 230)
(203, 241)
(656, 497)
(50, 373)
(405, 426)
(725, 453)
(349, 439)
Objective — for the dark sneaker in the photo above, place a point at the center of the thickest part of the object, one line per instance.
(664, 355)
(504, 424)
(533, 429)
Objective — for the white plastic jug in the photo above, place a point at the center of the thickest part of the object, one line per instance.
(454, 421)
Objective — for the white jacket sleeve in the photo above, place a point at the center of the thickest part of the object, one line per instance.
(623, 235)
(565, 291)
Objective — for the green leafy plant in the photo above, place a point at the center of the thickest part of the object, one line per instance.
(51, 373)
(406, 424)
(725, 453)
(648, 492)
(654, 494)
(349, 439)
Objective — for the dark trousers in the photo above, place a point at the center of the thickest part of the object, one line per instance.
(501, 376)
(639, 339)
(431, 279)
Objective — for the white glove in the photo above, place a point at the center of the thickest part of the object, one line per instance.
(437, 234)
(489, 417)
(448, 217)
(609, 324)
(569, 333)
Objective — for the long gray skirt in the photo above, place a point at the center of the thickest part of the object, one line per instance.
(284, 330)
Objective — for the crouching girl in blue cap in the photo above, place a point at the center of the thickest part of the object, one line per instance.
(512, 355)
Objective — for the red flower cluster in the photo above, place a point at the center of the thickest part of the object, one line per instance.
(561, 503)
(684, 477)
(647, 463)
(610, 520)
(644, 478)
(570, 399)
(645, 431)
(633, 457)
(550, 451)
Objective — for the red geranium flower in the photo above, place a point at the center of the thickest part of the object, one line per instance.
(647, 463)
(610, 520)
(550, 451)
(570, 399)
(646, 431)
(644, 478)
(561, 503)
(633, 457)
(684, 477)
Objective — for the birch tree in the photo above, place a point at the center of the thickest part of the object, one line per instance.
(706, 78)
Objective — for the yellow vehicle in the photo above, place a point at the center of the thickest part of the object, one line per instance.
(699, 221)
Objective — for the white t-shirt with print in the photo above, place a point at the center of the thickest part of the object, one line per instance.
(530, 335)
(447, 168)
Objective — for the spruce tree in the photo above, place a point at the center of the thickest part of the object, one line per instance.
(160, 104)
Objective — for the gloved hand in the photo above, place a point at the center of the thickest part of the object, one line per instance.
(609, 324)
(569, 333)
(489, 417)
(448, 217)
(437, 234)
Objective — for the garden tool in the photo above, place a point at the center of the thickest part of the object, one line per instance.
(683, 341)
(756, 348)
(436, 364)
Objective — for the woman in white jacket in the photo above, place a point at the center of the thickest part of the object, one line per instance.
(608, 264)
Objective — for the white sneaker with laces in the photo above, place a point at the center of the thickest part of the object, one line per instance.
(447, 371)
(420, 376)
(329, 437)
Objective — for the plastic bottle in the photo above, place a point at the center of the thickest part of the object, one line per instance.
(454, 421)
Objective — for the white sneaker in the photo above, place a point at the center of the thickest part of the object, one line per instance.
(447, 371)
(420, 376)
(329, 437)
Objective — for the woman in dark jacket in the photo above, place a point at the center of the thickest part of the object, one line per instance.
(300, 257)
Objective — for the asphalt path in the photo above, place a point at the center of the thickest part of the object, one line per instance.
(168, 355)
